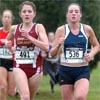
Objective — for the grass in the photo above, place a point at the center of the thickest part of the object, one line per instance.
(44, 89)
(94, 91)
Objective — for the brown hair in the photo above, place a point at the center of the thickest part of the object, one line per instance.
(76, 5)
(27, 3)
(7, 10)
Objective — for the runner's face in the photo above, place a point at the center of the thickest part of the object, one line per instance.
(74, 14)
(51, 37)
(7, 18)
(27, 13)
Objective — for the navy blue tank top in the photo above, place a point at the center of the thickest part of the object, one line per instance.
(74, 46)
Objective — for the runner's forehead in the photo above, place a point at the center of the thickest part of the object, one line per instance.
(7, 13)
(74, 7)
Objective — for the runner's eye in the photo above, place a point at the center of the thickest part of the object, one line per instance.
(24, 11)
(76, 11)
(71, 11)
(29, 11)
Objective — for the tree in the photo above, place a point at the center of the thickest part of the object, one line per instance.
(51, 13)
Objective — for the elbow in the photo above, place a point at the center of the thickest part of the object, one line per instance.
(98, 47)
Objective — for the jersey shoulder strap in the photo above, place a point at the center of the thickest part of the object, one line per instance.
(83, 30)
(67, 30)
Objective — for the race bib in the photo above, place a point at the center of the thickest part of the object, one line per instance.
(74, 53)
(5, 53)
(24, 55)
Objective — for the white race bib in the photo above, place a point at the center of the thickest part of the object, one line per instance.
(5, 53)
(24, 55)
(74, 54)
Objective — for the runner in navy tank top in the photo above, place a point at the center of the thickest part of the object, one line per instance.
(71, 44)
(30, 40)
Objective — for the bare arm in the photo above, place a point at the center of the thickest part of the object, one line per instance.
(43, 40)
(94, 42)
(10, 35)
(9, 38)
(59, 39)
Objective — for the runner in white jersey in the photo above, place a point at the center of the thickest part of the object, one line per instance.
(71, 44)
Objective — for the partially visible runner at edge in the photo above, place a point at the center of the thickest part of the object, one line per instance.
(7, 83)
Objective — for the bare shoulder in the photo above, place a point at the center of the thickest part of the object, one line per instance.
(88, 29)
(60, 31)
(61, 28)
(39, 26)
(13, 29)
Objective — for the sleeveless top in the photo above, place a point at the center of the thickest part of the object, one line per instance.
(26, 52)
(4, 52)
(74, 46)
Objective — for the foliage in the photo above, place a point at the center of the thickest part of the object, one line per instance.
(51, 13)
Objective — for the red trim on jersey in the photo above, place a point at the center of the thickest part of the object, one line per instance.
(28, 68)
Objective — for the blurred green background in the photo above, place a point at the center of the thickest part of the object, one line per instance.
(51, 13)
